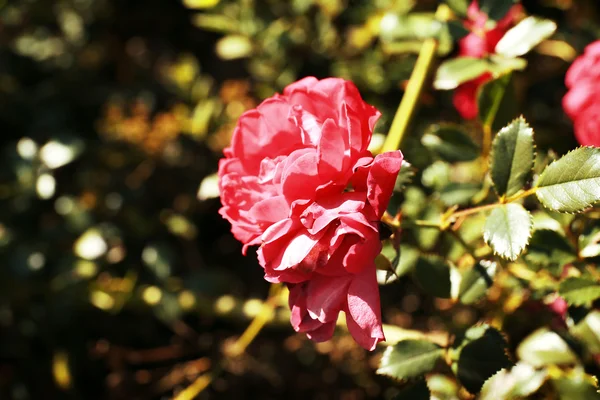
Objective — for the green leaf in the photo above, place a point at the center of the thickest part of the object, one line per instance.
(458, 6)
(507, 230)
(502, 65)
(442, 387)
(436, 175)
(409, 359)
(458, 70)
(522, 380)
(525, 36)
(548, 248)
(589, 243)
(393, 264)
(427, 238)
(415, 25)
(405, 176)
(544, 347)
(588, 331)
(579, 291)
(415, 391)
(457, 30)
(496, 9)
(571, 183)
(577, 385)
(474, 282)
(459, 193)
(450, 143)
(433, 275)
(513, 154)
(496, 102)
(482, 353)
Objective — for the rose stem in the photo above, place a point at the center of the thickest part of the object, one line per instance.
(240, 345)
(413, 89)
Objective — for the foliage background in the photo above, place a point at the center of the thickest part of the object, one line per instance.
(118, 278)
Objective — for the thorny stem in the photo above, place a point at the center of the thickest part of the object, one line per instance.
(413, 89)
(452, 215)
(240, 345)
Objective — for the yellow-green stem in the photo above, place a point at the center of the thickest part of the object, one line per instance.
(413, 89)
(240, 345)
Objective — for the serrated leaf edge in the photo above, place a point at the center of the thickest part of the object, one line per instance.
(485, 238)
(577, 211)
(534, 153)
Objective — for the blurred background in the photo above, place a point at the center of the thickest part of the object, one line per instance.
(118, 279)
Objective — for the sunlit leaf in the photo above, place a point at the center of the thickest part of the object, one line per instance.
(233, 46)
(579, 291)
(525, 36)
(512, 157)
(409, 359)
(410, 26)
(577, 385)
(209, 188)
(502, 65)
(507, 230)
(588, 331)
(544, 347)
(459, 70)
(522, 380)
(474, 282)
(572, 183)
(200, 4)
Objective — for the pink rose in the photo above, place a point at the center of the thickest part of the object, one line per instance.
(299, 181)
(582, 101)
(479, 43)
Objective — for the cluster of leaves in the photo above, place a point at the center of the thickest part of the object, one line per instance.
(472, 233)
(536, 256)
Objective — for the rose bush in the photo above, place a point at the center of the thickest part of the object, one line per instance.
(582, 101)
(479, 43)
(299, 181)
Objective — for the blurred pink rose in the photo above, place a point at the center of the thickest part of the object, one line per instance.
(299, 181)
(479, 43)
(582, 101)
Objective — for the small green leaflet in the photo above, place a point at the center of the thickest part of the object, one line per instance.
(459, 70)
(507, 230)
(579, 291)
(512, 157)
(544, 347)
(520, 381)
(571, 183)
(409, 359)
(481, 354)
(525, 36)
(473, 283)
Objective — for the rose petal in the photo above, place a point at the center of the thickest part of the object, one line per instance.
(300, 177)
(381, 180)
(325, 296)
(364, 311)
(331, 151)
(270, 210)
